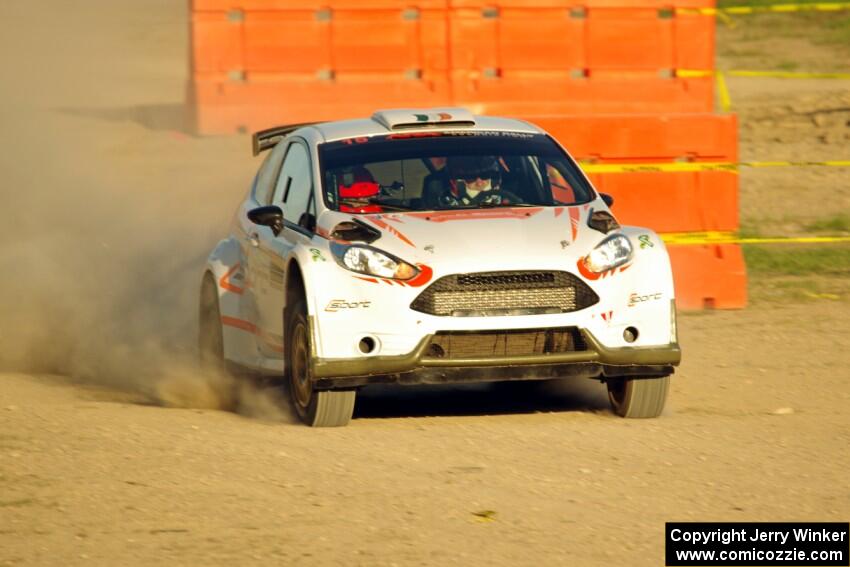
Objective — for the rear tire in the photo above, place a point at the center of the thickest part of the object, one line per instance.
(213, 365)
(210, 336)
(324, 408)
(638, 397)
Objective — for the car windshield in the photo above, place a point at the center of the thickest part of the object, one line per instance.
(449, 170)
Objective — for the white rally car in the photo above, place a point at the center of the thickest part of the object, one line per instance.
(434, 246)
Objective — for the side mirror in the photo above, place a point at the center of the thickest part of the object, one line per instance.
(608, 199)
(308, 221)
(270, 216)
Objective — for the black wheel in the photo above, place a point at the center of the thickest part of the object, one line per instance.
(210, 339)
(323, 408)
(638, 397)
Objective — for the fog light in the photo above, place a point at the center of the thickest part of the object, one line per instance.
(436, 351)
(367, 345)
(630, 334)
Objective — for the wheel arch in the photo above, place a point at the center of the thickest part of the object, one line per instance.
(295, 285)
(296, 288)
(224, 267)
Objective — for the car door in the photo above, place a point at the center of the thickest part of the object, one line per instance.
(292, 193)
(254, 265)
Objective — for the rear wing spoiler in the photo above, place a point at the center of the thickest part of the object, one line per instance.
(267, 139)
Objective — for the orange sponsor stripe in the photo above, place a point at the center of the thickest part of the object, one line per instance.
(583, 270)
(270, 340)
(574, 219)
(392, 230)
(239, 324)
(224, 281)
(424, 276)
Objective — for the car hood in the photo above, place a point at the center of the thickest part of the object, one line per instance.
(478, 240)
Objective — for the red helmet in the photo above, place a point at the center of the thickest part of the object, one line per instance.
(355, 185)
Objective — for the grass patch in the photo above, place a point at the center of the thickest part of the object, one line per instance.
(787, 66)
(798, 260)
(751, 228)
(830, 29)
(835, 224)
(790, 225)
(16, 503)
(728, 3)
(738, 52)
(837, 32)
(798, 289)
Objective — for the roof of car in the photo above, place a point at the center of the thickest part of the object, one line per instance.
(412, 120)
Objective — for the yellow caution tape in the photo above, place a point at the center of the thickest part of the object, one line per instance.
(837, 163)
(682, 238)
(723, 89)
(657, 167)
(694, 73)
(775, 8)
(591, 167)
(727, 19)
(788, 74)
(723, 93)
(699, 73)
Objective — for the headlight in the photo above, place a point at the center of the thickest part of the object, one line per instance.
(367, 260)
(614, 251)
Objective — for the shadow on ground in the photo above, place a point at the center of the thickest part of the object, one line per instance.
(157, 117)
(481, 399)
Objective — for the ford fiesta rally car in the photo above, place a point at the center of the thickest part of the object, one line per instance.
(434, 246)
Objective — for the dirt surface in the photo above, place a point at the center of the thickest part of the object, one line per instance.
(109, 208)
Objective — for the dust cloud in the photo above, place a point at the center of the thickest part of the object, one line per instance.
(107, 213)
(115, 306)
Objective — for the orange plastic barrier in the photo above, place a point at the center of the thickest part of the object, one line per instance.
(518, 35)
(619, 138)
(318, 42)
(709, 277)
(696, 201)
(504, 57)
(227, 106)
(529, 93)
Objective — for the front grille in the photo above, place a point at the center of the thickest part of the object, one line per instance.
(524, 342)
(505, 293)
(507, 280)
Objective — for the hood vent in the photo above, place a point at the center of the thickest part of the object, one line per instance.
(355, 231)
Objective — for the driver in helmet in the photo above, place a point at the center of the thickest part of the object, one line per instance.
(473, 180)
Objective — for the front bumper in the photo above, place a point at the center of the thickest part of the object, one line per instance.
(417, 367)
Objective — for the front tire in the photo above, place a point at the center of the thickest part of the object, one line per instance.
(322, 408)
(638, 397)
